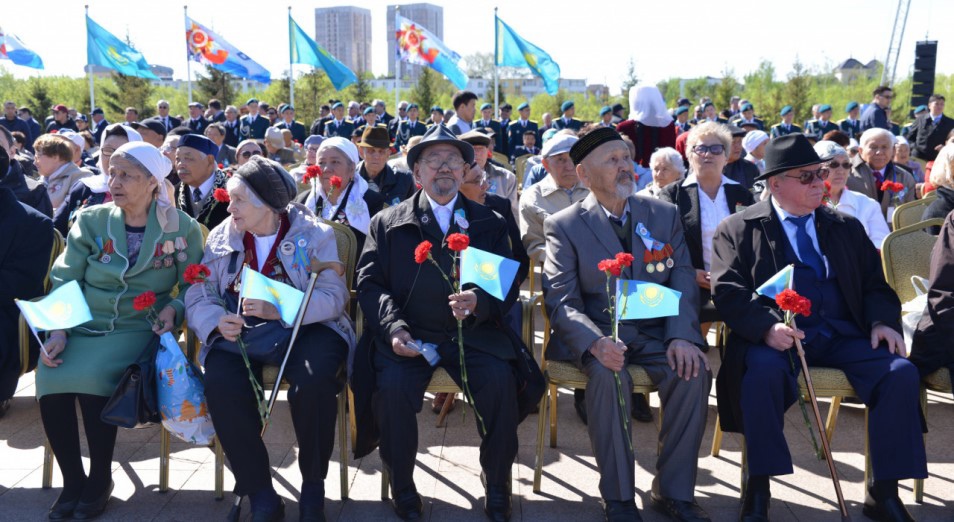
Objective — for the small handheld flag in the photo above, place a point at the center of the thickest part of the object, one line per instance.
(493, 273)
(778, 282)
(287, 299)
(643, 300)
(64, 308)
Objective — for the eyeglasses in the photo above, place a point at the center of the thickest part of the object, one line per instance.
(834, 165)
(248, 154)
(436, 162)
(805, 177)
(312, 149)
(477, 181)
(715, 150)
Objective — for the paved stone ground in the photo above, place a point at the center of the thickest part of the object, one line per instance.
(448, 472)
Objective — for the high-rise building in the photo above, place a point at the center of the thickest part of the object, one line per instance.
(345, 32)
(429, 16)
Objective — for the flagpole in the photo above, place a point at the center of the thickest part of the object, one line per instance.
(185, 10)
(397, 63)
(89, 72)
(35, 334)
(291, 72)
(496, 75)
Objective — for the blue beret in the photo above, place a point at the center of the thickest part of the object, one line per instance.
(747, 107)
(567, 105)
(706, 105)
(285, 107)
(785, 110)
(199, 143)
(824, 108)
(251, 101)
(851, 106)
(412, 106)
(436, 108)
(336, 105)
(680, 110)
(606, 110)
(920, 108)
(485, 106)
(523, 106)
(368, 110)
(97, 110)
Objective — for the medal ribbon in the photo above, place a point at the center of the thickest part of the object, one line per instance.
(656, 251)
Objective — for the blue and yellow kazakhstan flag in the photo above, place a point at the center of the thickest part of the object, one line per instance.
(513, 51)
(778, 282)
(642, 300)
(64, 308)
(302, 49)
(489, 271)
(287, 299)
(102, 48)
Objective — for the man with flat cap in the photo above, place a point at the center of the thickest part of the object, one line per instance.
(609, 221)
(338, 125)
(785, 127)
(854, 326)
(199, 174)
(520, 126)
(253, 124)
(567, 121)
(408, 128)
(409, 305)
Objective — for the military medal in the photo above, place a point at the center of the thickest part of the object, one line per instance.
(157, 257)
(660, 266)
(425, 219)
(302, 242)
(287, 248)
(461, 220)
(107, 249)
(656, 252)
(181, 245)
(669, 262)
(650, 268)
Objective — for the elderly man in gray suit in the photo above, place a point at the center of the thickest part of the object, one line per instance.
(612, 220)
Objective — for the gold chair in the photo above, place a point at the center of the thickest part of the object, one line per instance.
(909, 213)
(567, 375)
(520, 168)
(939, 381)
(906, 252)
(502, 159)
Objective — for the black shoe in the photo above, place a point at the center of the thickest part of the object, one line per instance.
(4, 407)
(621, 511)
(63, 509)
(275, 515)
(408, 504)
(579, 402)
(91, 510)
(886, 510)
(640, 409)
(681, 510)
(311, 513)
(755, 506)
(497, 503)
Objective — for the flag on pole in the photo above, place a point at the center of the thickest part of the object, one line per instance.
(306, 51)
(210, 49)
(13, 49)
(287, 299)
(642, 300)
(417, 45)
(514, 51)
(489, 271)
(103, 48)
(64, 308)
(778, 282)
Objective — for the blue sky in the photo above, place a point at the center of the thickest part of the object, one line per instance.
(686, 38)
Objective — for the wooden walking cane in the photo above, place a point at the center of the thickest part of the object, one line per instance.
(821, 428)
(315, 268)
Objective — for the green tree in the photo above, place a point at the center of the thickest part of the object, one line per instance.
(39, 97)
(424, 93)
(726, 89)
(797, 90)
(629, 81)
(215, 84)
(361, 90)
(128, 91)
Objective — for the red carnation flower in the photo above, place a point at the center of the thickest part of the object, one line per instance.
(790, 301)
(422, 252)
(221, 195)
(312, 172)
(196, 273)
(335, 182)
(827, 186)
(144, 301)
(457, 242)
(221, 166)
(610, 266)
(624, 259)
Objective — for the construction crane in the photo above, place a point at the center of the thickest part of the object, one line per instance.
(894, 46)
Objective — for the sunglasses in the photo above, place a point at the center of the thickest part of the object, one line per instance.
(713, 149)
(805, 177)
(248, 154)
(845, 165)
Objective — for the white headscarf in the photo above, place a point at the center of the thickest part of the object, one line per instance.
(159, 166)
(356, 209)
(648, 107)
(99, 184)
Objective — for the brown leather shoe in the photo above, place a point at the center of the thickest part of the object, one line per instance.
(439, 400)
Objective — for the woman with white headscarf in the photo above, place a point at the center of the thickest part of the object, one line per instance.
(138, 242)
(650, 126)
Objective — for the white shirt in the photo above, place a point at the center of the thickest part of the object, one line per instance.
(866, 210)
(442, 212)
(263, 245)
(711, 213)
(791, 228)
(205, 188)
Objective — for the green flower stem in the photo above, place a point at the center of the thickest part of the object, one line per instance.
(623, 414)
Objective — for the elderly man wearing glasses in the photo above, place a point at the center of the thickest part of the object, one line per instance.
(853, 326)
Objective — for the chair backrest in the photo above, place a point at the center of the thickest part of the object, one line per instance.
(906, 252)
(909, 213)
(520, 168)
(502, 158)
(59, 245)
(23, 329)
(347, 249)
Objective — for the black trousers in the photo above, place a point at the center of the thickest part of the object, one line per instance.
(399, 397)
(315, 375)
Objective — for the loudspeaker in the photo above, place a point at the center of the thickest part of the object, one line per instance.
(925, 59)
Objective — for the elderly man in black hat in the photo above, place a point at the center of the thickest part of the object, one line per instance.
(409, 307)
(611, 221)
(200, 177)
(854, 326)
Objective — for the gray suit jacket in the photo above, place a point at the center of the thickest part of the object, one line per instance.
(862, 180)
(578, 238)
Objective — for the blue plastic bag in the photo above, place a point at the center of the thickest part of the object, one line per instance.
(181, 394)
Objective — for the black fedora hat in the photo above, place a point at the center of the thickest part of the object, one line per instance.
(440, 134)
(786, 153)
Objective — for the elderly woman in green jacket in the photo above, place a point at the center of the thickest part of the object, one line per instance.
(116, 251)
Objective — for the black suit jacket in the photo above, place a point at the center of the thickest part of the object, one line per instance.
(749, 248)
(501, 205)
(198, 126)
(515, 133)
(924, 136)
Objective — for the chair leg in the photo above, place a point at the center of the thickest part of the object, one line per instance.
(164, 444)
(385, 484)
(351, 417)
(553, 415)
(868, 478)
(343, 442)
(716, 438)
(832, 418)
(445, 409)
(541, 429)
(219, 470)
(744, 471)
(47, 465)
(919, 483)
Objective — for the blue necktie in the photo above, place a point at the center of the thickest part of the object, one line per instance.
(806, 249)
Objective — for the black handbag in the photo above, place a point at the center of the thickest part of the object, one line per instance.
(266, 341)
(134, 403)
